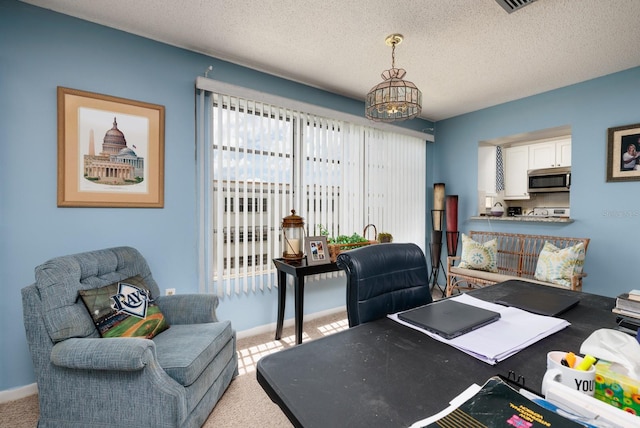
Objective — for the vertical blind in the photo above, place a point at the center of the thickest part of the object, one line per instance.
(257, 162)
(395, 185)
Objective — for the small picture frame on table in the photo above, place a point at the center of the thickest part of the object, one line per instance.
(316, 250)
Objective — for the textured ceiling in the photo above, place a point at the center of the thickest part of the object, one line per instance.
(464, 55)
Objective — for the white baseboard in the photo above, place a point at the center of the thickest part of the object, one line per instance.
(18, 393)
(287, 323)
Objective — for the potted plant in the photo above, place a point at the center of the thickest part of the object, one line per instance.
(385, 237)
(343, 242)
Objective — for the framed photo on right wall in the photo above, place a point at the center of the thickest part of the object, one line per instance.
(623, 153)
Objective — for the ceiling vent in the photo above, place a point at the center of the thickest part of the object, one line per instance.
(513, 5)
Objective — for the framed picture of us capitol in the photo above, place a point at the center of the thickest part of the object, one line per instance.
(110, 151)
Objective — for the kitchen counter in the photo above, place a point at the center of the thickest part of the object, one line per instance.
(525, 218)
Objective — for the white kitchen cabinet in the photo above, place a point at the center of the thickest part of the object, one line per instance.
(563, 152)
(516, 164)
(550, 154)
(487, 170)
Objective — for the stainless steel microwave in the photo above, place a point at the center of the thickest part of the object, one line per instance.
(549, 180)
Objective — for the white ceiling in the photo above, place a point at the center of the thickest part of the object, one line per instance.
(464, 55)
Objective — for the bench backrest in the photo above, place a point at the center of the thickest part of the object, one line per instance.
(517, 254)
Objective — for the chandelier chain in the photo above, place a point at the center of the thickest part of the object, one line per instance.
(393, 54)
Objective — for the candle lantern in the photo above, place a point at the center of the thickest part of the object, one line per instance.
(293, 233)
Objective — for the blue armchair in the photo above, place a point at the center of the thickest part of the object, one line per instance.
(172, 380)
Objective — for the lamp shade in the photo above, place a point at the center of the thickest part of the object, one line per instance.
(452, 213)
(452, 224)
(438, 196)
(393, 99)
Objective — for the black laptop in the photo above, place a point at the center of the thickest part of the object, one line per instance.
(449, 318)
(539, 302)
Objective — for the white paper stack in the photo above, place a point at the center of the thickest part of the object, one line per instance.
(515, 330)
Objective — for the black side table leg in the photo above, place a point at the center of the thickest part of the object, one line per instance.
(299, 292)
(282, 298)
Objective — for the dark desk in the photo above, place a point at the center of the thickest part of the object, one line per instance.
(383, 374)
(298, 272)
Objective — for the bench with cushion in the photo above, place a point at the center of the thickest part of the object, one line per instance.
(488, 258)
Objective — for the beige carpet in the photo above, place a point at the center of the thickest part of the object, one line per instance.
(244, 404)
(20, 413)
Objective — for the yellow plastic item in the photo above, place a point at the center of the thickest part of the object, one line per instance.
(586, 363)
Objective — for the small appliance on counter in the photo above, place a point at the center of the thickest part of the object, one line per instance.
(514, 211)
(497, 210)
(551, 212)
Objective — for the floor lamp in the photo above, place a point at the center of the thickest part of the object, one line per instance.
(435, 247)
(453, 235)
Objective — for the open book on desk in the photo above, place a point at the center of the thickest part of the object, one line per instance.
(515, 330)
(496, 404)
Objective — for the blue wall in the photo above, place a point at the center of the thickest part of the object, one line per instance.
(40, 50)
(608, 213)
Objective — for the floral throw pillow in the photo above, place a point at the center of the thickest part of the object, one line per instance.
(557, 265)
(478, 256)
(124, 309)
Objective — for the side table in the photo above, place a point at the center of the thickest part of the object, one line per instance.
(298, 271)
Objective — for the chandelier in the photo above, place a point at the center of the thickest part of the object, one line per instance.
(393, 99)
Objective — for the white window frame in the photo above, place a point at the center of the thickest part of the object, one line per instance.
(369, 164)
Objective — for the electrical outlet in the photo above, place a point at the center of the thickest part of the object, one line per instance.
(170, 291)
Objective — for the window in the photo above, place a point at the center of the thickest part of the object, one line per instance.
(270, 160)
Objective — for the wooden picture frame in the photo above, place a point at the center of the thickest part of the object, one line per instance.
(623, 153)
(110, 151)
(316, 250)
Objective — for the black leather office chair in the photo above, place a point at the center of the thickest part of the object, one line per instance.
(383, 279)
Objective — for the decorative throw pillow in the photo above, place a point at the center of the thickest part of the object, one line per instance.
(478, 256)
(557, 265)
(124, 309)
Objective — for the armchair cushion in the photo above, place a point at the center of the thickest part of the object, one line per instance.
(189, 308)
(124, 309)
(184, 351)
(126, 354)
(60, 279)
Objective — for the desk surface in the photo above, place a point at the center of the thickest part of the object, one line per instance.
(383, 374)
